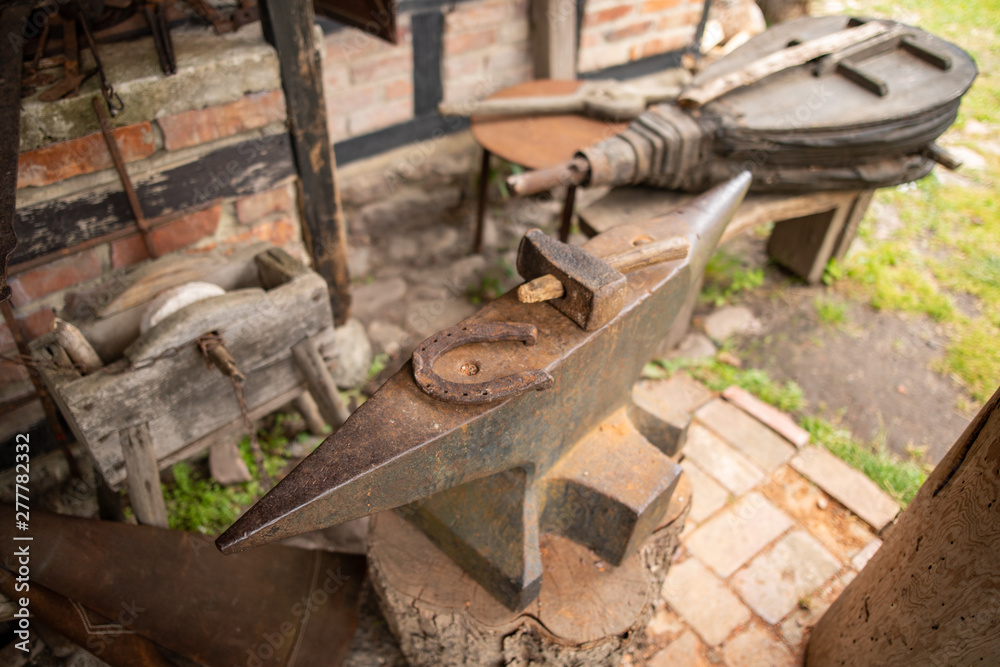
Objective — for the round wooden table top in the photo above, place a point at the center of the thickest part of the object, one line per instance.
(537, 142)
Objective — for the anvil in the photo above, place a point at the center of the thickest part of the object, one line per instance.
(570, 454)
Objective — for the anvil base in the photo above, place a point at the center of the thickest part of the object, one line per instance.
(586, 613)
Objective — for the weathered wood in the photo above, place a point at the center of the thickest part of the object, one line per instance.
(554, 28)
(321, 385)
(156, 277)
(12, 19)
(930, 595)
(306, 406)
(698, 95)
(855, 215)
(290, 27)
(77, 347)
(233, 171)
(171, 394)
(587, 611)
(804, 245)
(276, 267)
(143, 476)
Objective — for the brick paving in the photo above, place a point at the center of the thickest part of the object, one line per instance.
(766, 549)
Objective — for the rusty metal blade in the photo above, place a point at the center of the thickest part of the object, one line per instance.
(274, 606)
(403, 445)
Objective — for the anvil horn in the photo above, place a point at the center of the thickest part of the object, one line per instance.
(403, 445)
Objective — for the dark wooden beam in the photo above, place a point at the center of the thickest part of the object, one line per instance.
(234, 171)
(11, 22)
(428, 42)
(289, 27)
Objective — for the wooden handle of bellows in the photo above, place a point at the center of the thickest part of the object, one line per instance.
(548, 287)
(573, 172)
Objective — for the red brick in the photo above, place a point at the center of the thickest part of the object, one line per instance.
(467, 41)
(337, 126)
(606, 15)
(398, 88)
(384, 67)
(277, 232)
(659, 45)
(11, 375)
(257, 206)
(381, 116)
(54, 276)
(461, 67)
(171, 236)
(675, 20)
(628, 31)
(336, 77)
(655, 6)
(32, 324)
(203, 125)
(352, 99)
(478, 15)
(83, 155)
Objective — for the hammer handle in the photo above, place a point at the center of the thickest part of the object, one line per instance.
(573, 172)
(549, 287)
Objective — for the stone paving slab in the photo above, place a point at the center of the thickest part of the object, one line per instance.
(775, 581)
(737, 534)
(685, 651)
(778, 421)
(701, 599)
(680, 392)
(751, 438)
(850, 487)
(721, 461)
(838, 529)
(756, 647)
(707, 496)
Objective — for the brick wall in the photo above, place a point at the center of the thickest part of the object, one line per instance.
(615, 32)
(80, 167)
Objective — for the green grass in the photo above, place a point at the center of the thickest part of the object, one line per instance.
(726, 277)
(945, 255)
(197, 503)
(900, 479)
(830, 312)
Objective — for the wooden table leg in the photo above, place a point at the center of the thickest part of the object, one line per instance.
(484, 184)
(567, 214)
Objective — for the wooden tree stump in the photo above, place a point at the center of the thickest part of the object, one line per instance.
(587, 612)
(931, 594)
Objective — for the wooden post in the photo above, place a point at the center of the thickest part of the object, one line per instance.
(289, 26)
(554, 24)
(143, 476)
(11, 23)
(804, 245)
(931, 594)
(320, 382)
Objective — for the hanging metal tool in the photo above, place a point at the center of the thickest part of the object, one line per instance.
(111, 97)
(491, 476)
(155, 12)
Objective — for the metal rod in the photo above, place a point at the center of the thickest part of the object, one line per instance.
(484, 183)
(133, 199)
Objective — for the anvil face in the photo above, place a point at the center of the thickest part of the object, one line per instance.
(490, 477)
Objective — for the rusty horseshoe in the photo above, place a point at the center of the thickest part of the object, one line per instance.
(476, 392)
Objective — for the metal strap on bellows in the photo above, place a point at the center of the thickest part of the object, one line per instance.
(664, 147)
(476, 392)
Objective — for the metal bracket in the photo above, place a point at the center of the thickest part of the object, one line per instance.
(476, 392)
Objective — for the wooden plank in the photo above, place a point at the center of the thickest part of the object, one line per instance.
(857, 213)
(428, 45)
(804, 245)
(290, 27)
(554, 25)
(143, 476)
(233, 171)
(930, 595)
(321, 385)
(11, 22)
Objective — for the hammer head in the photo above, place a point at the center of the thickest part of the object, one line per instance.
(594, 292)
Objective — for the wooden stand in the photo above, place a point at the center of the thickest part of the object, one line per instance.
(930, 595)
(586, 614)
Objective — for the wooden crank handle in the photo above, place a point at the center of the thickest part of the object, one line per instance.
(548, 287)
(573, 172)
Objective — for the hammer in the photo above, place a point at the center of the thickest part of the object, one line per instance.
(587, 289)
